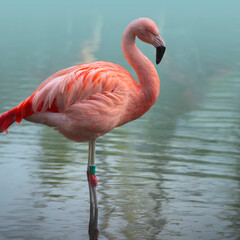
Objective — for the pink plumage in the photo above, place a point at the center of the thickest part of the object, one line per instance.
(81, 102)
(87, 101)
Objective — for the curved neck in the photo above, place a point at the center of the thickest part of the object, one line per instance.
(149, 82)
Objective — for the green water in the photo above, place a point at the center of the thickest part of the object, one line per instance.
(172, 174)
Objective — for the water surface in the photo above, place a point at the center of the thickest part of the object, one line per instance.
(172, 174)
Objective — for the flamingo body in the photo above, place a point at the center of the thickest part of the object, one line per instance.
(82, 102)
(87, 101)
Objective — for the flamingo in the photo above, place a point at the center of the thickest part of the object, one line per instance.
(86, 101)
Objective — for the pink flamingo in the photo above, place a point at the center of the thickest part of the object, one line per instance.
(87, 101)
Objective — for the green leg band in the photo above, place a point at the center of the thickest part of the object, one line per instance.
(92, 170)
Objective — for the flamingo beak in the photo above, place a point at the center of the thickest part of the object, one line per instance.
(160, 48)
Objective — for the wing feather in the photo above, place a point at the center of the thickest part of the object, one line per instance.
(78, 83)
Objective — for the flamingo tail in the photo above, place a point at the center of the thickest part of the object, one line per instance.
(7, 119)
(24, 109)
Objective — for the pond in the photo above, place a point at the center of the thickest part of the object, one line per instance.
(172, 174)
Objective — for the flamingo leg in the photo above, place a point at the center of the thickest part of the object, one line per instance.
(92, 179)
(88, 175)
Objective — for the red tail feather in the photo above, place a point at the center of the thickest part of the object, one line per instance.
(7, 119)
(24, 109)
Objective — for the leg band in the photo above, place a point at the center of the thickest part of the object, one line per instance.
(92, 169)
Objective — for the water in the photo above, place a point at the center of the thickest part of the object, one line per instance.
(174, 173)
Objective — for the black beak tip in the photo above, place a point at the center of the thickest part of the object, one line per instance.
(159, 53)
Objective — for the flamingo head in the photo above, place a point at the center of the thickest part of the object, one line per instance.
(147, 31)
